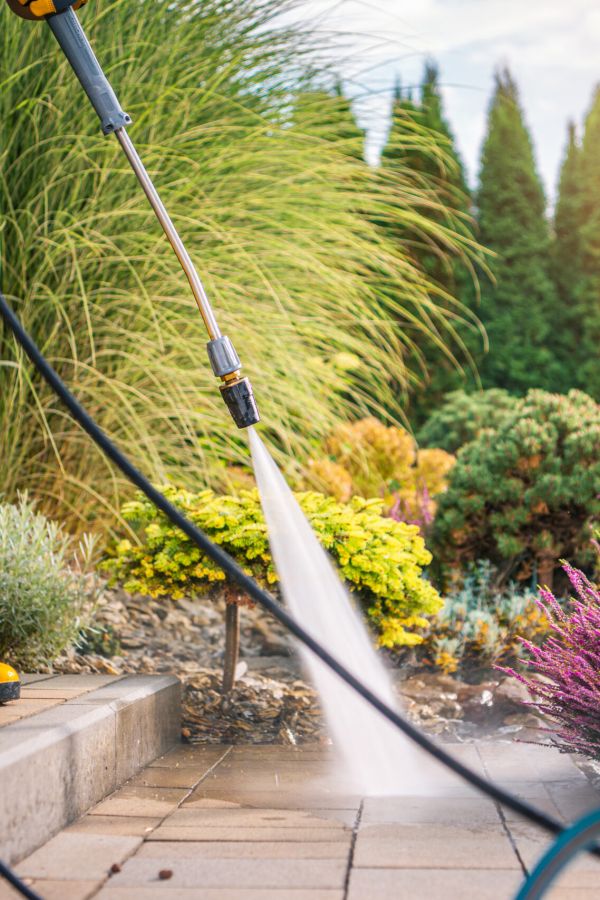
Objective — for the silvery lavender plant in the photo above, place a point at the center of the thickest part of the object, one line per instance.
(569, 665)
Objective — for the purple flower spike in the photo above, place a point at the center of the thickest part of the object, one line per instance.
(568, 664)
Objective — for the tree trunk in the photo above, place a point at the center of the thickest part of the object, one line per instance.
(546, 571)
(232, 645)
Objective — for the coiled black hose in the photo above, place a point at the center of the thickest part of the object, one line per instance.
(266, 600)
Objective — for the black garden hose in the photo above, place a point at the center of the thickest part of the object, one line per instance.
(266, 600)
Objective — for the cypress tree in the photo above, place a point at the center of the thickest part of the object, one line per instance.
(567, 219)
(518, 310)
(586, 292)
(443, 169)
(566, 259)
(328, 115)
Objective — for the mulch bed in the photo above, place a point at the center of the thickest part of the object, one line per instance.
(270, 703)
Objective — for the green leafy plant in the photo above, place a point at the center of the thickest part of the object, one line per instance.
(524, 494)
(276, 212)
(44, 589)
(380, 559)
(481, 624)
(462, 416)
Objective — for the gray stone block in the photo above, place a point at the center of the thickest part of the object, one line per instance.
(55, 765)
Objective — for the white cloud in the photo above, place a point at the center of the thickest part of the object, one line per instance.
(551, 46)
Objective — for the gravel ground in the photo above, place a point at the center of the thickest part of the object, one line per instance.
(270, 701)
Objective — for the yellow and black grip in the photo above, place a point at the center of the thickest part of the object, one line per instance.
(39, 9)
(64, 24)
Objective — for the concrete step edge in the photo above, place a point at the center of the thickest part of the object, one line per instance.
(57, 764)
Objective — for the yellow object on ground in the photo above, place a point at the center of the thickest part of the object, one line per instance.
(10, 685)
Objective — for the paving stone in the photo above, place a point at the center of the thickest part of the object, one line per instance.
(297, 763)
(429, 810)
(154, 893)
(58, 763)
(53, 890)
(527, 762)
(277, 752)
(240, 833)
(258, 818)
(27, 706)
(268, 779)
(53, 766)
(77, 682)
(135, 800)
(573, 799)
(246, 873)
(149, 722)
(547, 806)
(184, 756)
(77, 856)
(41, 692)
(438, 884)
(8, 714)
(571, 893)
(133, 825)
(429, 846)
(275, 799)
(245, 850)
(532, 843)
(36, 676)
(161, 776)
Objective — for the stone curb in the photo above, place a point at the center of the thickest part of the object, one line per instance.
(57, 764)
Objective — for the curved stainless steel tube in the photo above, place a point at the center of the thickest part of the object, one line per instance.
(171, 233)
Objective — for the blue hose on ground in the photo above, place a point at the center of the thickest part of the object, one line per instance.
(266, 600)
(580, 836)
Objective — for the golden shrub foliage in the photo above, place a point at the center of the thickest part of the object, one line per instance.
(369, 459)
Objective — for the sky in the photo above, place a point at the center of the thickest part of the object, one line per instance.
(552, 47)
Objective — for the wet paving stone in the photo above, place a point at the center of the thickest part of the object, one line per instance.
(277, 823)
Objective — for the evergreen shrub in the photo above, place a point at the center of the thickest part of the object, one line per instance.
(462, 416)
(525, 494)
(380, 559)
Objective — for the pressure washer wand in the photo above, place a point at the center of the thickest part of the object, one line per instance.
(237, 390)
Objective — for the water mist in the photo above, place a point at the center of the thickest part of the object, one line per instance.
(378, 759)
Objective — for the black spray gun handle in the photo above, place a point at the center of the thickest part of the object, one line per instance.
(76, 47)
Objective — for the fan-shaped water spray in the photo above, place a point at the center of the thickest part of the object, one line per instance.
(378, 758)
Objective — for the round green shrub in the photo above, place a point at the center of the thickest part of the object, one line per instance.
(380, 559)
(463, 416)
(42, 598)
(524, 494)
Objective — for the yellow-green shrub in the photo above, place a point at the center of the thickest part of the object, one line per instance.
(380, 559)
(371, 459)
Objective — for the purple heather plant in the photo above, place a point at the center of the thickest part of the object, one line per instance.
(420, 514)
(569, 665)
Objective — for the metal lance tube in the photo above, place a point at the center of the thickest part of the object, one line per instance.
(237, 391)
(169, 229)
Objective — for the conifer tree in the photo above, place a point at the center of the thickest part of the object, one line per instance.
(442, 166)
(566, 260)
(518, 310)
(567, 220)
(328, 115)
(587, 288)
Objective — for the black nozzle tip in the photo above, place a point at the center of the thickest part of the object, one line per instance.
(241, 403)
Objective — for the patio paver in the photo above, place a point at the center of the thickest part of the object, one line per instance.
(273, 823)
